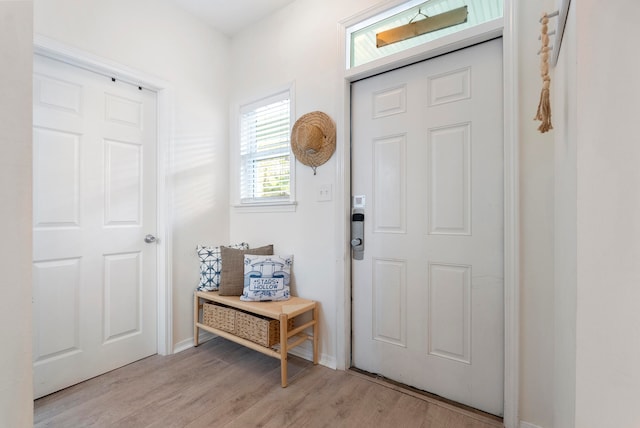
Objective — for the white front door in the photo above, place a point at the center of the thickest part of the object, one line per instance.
(94, 200)
(427, 155)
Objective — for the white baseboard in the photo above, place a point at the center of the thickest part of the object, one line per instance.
(183, 345)
(524, 424)
(307, 354)
(188, 343)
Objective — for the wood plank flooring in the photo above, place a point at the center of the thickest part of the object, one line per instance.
(222, 384)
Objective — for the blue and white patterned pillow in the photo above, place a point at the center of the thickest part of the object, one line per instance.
(211, 265)
(266, 278)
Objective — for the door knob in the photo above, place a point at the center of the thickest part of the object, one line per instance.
(149, 239)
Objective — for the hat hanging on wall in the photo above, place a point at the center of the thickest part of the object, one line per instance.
(313, 139)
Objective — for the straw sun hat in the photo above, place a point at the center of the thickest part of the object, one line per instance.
(313, 139)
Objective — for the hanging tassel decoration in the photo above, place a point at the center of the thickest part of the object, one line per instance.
(544, 107)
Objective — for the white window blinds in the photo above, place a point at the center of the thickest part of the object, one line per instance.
(265, 151)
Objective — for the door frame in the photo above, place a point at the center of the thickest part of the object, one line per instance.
(503, 28)
(54, 49)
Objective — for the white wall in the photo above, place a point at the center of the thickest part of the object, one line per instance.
(16, 384)
(298, 44)
(608, 215)
(155, 37)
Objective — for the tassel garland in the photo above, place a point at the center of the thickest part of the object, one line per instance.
(544, 107)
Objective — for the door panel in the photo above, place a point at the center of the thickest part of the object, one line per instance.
(449, 191)
(94, 170)
(389, 294)
(389, 184)
(427, 154)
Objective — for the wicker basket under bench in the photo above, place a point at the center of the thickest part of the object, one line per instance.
(257, 325)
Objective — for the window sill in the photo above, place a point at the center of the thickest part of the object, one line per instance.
(266, 207)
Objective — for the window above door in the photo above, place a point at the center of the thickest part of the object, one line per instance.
(361, 37)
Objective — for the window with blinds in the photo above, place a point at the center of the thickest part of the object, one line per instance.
(265, 154)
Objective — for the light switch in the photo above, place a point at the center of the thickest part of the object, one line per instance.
(324, 192)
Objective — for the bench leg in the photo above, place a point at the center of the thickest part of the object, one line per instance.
(316, 336)
(196, 313)
(283, 349)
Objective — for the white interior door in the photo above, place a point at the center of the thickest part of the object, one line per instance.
(94, 200)
(427, 155)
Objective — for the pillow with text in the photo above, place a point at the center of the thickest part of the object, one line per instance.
(266, 278)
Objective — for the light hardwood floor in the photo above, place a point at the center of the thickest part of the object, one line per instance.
(222, 384)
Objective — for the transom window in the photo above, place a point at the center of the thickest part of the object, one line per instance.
(361, 37)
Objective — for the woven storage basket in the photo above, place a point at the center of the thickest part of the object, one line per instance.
(220, 317)
(263, 331)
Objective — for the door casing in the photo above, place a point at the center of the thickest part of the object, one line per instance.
(59, 51)
(505, 29)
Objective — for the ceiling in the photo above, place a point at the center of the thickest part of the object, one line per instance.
(231, 16)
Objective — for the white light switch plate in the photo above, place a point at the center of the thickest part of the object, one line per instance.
(324, 192)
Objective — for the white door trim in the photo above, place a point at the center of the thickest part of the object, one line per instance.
(511, 183)
(56, 50)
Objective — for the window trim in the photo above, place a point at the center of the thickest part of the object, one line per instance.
(286, 204)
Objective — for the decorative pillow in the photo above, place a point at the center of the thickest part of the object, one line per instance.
(232, 273)
(210, 265)
(266, 278)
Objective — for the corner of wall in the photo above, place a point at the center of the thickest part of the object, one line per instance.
(536, 162)
(16, 47)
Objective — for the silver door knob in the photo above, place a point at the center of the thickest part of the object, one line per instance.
(355, 242)
(149, 239)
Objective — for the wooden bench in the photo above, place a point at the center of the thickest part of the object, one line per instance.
(282, 311)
